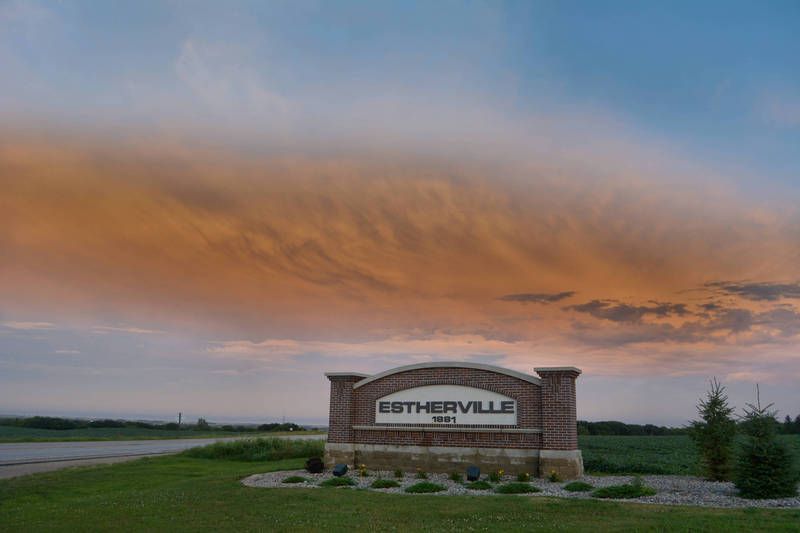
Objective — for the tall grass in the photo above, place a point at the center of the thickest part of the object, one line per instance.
(258, 450)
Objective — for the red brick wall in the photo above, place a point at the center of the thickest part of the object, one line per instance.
(559, 425)
(340, 417)
(550, 408)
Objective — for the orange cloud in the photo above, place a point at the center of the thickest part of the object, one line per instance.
(343, 249)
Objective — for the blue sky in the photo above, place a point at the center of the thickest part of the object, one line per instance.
(717, 80)
(230, 197)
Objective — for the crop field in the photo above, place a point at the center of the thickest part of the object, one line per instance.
(22, 434)
(649, 455)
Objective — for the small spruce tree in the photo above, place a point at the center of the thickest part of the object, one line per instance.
(715, 433)
(764, 467)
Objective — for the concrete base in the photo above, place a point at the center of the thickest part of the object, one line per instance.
(568, 464)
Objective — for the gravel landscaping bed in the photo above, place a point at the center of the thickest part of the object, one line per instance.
(672, 490)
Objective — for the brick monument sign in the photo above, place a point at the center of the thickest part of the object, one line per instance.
(443, 417)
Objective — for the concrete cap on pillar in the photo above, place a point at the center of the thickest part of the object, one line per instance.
(345, 376)
(557, 369)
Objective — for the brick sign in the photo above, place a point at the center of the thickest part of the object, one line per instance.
(446, 405)
(442, 417)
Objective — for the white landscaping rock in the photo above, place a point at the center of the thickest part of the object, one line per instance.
(672, 490)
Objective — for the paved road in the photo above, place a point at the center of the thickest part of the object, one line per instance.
(21, 458)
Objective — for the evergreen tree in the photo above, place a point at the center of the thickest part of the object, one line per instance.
(715, 433)
(765, 467)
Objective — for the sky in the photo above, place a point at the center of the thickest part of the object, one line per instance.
(205, 206)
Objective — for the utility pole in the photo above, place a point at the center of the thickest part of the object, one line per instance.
(180, 415)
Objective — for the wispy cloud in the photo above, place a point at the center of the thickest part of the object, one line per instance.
(616, 311)
(219, 76)
(768, 291)
(28, 325)
(538, 297)
(125, 329)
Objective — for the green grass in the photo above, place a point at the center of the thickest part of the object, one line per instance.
(578, 486)
(384, 484)
(516, 488)
(22, 434)
(649, 455)
(179, 493)
(424, 487)
(258, 449)
(478, 485)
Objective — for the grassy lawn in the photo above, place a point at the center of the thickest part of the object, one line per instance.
(21, 434)
(649, 455)
(184, 493)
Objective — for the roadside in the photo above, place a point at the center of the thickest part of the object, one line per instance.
(18, 459)
(17, 470)
(17, 435)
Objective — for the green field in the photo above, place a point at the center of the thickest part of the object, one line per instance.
(649, 455)
(22, 434)
(180, 493)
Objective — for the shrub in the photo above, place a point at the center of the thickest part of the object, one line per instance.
(314, 465)
(258, 449)
(523, 477)
(516, 488)
(398, 473)
(421, 474)
(635, 489)
(764, 466)
(578, 486)
(106, 423)
(478, 485)
(496, 476)
(384, 484)
(294, 479)
(51, 422)
(343, 481)
(424, 487)
(553, 477)
(714, 436)
(457, 477)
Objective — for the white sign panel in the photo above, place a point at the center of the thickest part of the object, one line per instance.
(446, 405)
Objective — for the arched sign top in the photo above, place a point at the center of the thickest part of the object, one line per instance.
(448, 364)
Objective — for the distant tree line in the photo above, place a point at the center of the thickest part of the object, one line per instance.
(789, 426)
(614, 427)
(50, 422)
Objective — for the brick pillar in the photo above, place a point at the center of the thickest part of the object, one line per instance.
(559, 422)
(338, 448)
